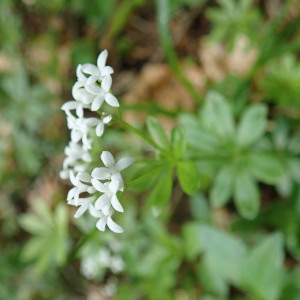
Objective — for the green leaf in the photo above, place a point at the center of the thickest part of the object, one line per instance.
(192, 244)
(157, 133)
(178, 142)
(33, 224)
(265, 167)
(212, 281)
(223, 252)
(188, 176)
(161, 192)
(246, 195)
(262, 270)
(252, 125)
(216, 115)
(197, 137)
(222, 188)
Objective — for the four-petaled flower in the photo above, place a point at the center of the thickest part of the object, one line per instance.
(112, 170)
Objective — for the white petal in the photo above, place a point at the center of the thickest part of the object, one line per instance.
(70, 105)
(92, 80)
(79, 74)
(90, 69)
(101, 60)
(95, 213)
(79, 111)
(111, 100)
(118, 177)
(106, 209)
(64, 174)
(102, 201)
(73, 179)
(101, 173)
(102, 223)
(92, 121)
(106, 71)
(107, 119)
(71, 193)
(80, 211)
(99, 186)
(114, 226)
(106, 83)
(100, 128)
(116, 204)
(76, 135)
(85, 177)
(91, 190)
(93, 89)
(114, 185)
(97, 102)
(107, 159)
(124, 163)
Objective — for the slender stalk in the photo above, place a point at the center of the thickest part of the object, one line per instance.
(162, 11)
(81, 243)
(139, 133)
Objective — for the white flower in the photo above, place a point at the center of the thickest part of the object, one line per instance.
(101, 122)
(80, 94)
(80, 128)
(75, 153)
(112, 170)
(101, 93)
(99, 72)
(74, 105)
(109, 197)
(81, 183)
(107, 220)
(85, 204)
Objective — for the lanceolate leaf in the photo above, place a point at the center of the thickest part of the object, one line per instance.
(262, 270)
(266, 167)
(161, 192)
(217, 115)
(252, 125)
(178, 142)
(157, 133)
(223, 186)
(188, 176)
(246, 194)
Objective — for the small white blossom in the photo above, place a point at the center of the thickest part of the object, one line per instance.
(75, 155)
(99, 72)
(80, 128)
(81, 184)
(101, 93)
(109, 197)
(74, 105)
(112, 169)
(107, 220)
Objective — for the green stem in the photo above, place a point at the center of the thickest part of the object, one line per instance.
(81, 243)
(162, 11)
(140, 134)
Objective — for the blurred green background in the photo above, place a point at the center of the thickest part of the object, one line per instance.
(226, 73)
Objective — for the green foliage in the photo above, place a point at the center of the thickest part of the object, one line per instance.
(281, 82)
(230, 150)
(233, 18)
(48, 245)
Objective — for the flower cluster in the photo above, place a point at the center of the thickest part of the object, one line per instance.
(94, 190)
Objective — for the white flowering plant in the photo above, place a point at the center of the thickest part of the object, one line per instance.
(191, 191)
(95, 189)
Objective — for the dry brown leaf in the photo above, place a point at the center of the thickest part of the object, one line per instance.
(218, 63)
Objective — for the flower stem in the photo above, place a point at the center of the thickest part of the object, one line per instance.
(162, 10)
(140, 134)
